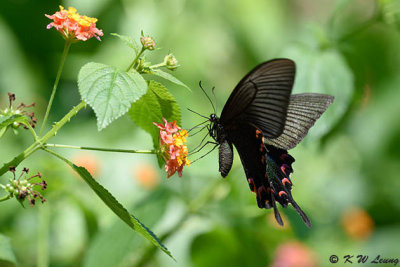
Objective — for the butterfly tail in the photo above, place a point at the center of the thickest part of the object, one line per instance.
(279, 168)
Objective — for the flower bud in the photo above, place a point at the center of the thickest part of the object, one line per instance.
(148, 42)
(171, 62)
(22, 189)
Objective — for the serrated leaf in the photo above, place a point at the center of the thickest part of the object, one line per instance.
(109, 91)
(156, 104)
(7, 256)
(120, 210)
(169, 77)
(129, 41)
(324, 72)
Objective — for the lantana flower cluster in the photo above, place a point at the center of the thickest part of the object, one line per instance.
(74, 26)
(172, 145)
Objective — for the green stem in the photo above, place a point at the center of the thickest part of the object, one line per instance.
(18, 159)
(159, 65)
(5, 198)
(35, 137)
(103, 149)
(39, 143)
(136, 59)
(69, 163)
(67, 45)
(63, 121)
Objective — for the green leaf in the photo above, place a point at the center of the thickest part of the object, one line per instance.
(109, 91)
(2, 131)
(113, 247)
(156, 104)
(120, 210)
(129, 41)
(324, 72)
(7, 120)
(7, 257)
(168, 77)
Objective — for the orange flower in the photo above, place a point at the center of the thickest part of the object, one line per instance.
(173, 149)
(357, 223)
(73, 26)
(87, 160)
(147, 176)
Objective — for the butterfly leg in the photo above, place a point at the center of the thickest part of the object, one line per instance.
(216, 144)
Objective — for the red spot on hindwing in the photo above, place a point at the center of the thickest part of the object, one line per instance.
(283, 168)
(286, 181)
(252, 185)
(258, 133)
(281, 193)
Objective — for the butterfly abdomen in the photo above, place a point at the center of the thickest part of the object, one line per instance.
(225, 158)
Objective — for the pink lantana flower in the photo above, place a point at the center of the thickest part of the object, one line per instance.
(73, 26)
(294, 254)
(172, 145)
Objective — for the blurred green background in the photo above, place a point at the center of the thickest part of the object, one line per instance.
(346, 173)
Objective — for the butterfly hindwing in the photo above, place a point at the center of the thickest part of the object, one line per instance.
(262, 97)
(279, 169)
(267, 170)
(303, 111)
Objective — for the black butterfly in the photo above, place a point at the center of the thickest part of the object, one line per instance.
(263, 120)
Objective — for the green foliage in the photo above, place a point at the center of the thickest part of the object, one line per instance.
(7, 257)
(345, 48)
(101, 254)
(323, 71)
(168, 77)
(119, 210)
(390, 10)
(7, 120)
(156, 104)
(109, 91)
(128, 41)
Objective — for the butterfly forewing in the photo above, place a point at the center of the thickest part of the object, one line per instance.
(262, 97)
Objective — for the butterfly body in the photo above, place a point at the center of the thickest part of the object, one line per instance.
(262, 120)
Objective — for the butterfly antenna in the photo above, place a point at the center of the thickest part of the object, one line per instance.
(215, 98)
(197, 113)
(209, 99)
(205, 154)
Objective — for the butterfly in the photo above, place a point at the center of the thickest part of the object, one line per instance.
(262, 120)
